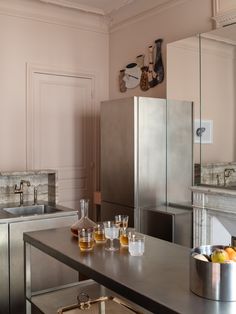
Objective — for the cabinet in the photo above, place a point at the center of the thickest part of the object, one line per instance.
(168, 223)
(146, 143)
(4, 292)
(12, 298)
(55, 274)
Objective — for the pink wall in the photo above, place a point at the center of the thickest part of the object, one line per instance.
(28, 38)
(133, 38)
(57, 42)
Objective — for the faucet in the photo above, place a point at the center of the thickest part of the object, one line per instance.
(35, 195)
(20, 190)
(227, 174)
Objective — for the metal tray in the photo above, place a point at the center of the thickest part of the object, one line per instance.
(102, 305)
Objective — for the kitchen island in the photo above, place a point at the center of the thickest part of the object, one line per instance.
(157, 281)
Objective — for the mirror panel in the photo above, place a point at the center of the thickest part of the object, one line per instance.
(183, 82)
(202, 69)
(217, 51)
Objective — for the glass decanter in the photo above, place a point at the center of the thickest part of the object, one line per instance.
(84, 222)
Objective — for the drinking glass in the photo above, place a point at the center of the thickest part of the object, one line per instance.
(99, 233)
(111, 233)
(86, 239)
(124, 236)
(136, 244)
(122, 221)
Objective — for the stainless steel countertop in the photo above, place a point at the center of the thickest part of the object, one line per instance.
(6, 217)
(158, 281)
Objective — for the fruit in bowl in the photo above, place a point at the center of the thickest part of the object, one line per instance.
(219, 256)
(223, 255)
(201, 257)
(231, 253)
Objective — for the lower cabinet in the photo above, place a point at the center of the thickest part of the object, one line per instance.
(46, 271)
(168, 223)
(4, 267)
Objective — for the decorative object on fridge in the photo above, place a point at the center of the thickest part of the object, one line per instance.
(122, 86)
(132, 75)
(146, 76)
(144, 85)
(140, 61)
(158, 66)
(152, 76)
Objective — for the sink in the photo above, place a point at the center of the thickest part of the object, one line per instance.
(31, 210)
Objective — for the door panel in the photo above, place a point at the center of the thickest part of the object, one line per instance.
(117, 151)
(60, 133)
(179, 151)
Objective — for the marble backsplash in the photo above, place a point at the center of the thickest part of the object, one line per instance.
(45, 181)
(213, 174)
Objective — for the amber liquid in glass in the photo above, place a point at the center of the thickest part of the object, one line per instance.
(124, 240)
(99, 236)
(86, 245)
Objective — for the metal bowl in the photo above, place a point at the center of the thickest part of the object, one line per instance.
(209, 280)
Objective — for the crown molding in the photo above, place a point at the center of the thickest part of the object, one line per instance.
(75, 6)
(91, 9)
(224, 15)
(62, 12)
(48, 13)
(116, 24)
(224, 19)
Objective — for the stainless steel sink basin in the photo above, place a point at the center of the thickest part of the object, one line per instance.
(31, 210)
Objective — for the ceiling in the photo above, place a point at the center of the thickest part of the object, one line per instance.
(107, 7)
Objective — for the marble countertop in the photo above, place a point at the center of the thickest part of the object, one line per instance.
(214, 190)
(27, 172)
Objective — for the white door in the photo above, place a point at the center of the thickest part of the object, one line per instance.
(60, 132)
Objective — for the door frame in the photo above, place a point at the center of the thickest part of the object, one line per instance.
(31, 69)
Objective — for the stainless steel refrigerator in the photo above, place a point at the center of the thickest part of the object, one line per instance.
(136, 134)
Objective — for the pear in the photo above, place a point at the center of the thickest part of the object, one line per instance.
(219, 256)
